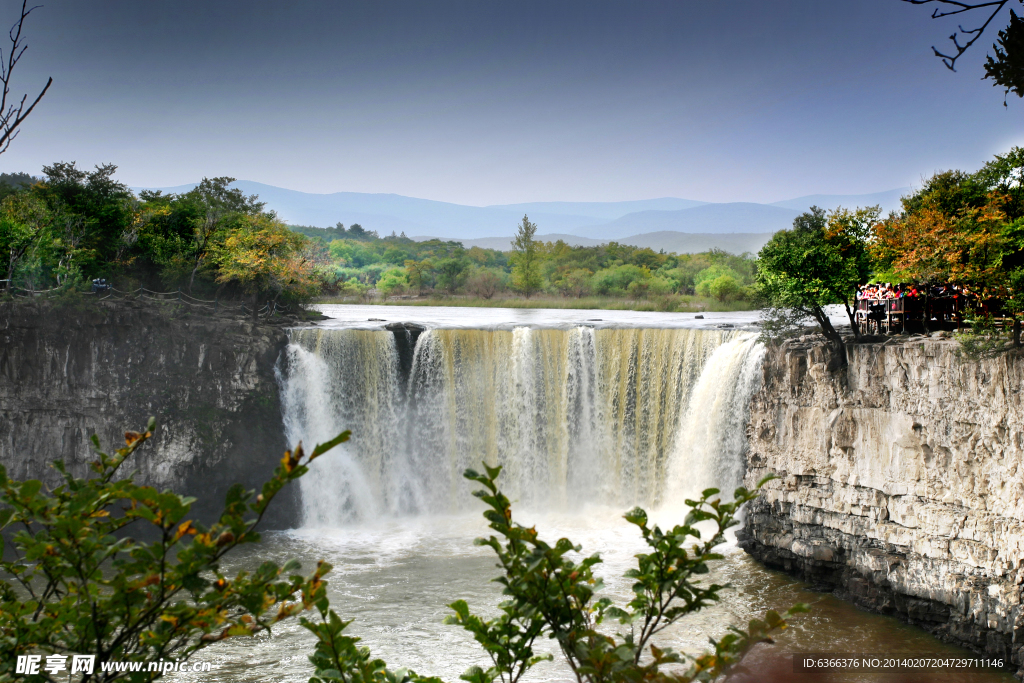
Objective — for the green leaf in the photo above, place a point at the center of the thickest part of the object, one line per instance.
(322, 448)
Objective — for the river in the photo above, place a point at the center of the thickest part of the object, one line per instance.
(589, 412)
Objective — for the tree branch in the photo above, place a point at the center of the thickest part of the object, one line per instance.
(11, 115)
(959, 8)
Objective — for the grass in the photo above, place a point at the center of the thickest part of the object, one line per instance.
(670, 303)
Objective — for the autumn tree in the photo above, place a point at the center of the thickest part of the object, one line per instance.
(952, 230)
(526, 275)
(217, 201)
(266, 259)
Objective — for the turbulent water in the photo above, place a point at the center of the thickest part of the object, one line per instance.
(620, 416)
(586, 423)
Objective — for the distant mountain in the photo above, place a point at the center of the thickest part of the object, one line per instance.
(607, 211)
(599, 221)
(678, 242)
(391, 212)
(889, 201)
(693, 243)
(505, 243)
(707, 218)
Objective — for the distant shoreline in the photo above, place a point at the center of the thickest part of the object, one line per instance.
(673, 303)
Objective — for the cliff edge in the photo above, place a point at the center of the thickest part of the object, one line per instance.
(67, 372)
(901, 483)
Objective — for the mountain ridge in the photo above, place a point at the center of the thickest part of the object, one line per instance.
(389, 212)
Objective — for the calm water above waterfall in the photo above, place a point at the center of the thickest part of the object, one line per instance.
(587, 417)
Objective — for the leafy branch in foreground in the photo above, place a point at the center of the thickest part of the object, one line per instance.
(549, 594)
(76, 582)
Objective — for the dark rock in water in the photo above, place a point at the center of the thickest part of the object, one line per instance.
(698, 317)
(406, 335)
(376, 320)
(594, 320)
(725, 325)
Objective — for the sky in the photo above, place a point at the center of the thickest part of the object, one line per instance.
(509, 101)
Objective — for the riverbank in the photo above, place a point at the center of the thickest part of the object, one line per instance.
(899, 483)
(673, 303)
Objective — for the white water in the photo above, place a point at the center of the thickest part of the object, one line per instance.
(587, 422)
(619, 417)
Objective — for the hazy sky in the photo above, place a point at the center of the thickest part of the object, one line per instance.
(482, 102)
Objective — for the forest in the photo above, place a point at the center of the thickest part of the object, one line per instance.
(71, 226)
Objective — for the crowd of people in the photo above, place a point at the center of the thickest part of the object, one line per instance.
(875, 292)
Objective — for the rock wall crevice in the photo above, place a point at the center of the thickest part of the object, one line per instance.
(900, 483)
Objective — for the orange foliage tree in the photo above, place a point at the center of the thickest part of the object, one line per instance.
(267, 260)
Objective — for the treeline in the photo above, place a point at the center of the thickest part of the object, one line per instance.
(395, 265)
(72, 226)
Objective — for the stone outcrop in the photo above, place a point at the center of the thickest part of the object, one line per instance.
(900, 483)
(69, 372)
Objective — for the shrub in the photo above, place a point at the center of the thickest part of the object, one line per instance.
(485, 282)
(85, 587)
(550, 595)
(392, 282)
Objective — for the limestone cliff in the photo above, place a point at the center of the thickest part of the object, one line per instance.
(901, 483)
(67, 373)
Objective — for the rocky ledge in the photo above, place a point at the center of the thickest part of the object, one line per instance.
(70, 371)
(900, 483)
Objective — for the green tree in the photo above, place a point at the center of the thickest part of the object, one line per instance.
(102, 209)
(819, 262)
(724, 287)
(577, 283)
(79, 582)
(392, 282)
(525, 259)
(218, 201)
(24, 226)
(451, 272)
(1006, 69)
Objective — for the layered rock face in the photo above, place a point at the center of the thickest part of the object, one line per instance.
(67, 373)
(901, 483)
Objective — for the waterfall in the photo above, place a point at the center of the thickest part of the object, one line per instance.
(574, 416)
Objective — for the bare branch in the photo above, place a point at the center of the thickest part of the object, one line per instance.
(11, 115)
(959, 8)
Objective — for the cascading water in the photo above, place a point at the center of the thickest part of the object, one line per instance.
(574, 416)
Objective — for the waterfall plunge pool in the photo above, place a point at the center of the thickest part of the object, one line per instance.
(589, 412)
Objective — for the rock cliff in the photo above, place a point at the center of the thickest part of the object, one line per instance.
(68, 372)
(900, 483)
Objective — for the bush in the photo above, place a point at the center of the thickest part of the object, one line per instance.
(550, 595)
(723, 288)
(578, 283)
(392, 282)
(86, 588)
(485, 282)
